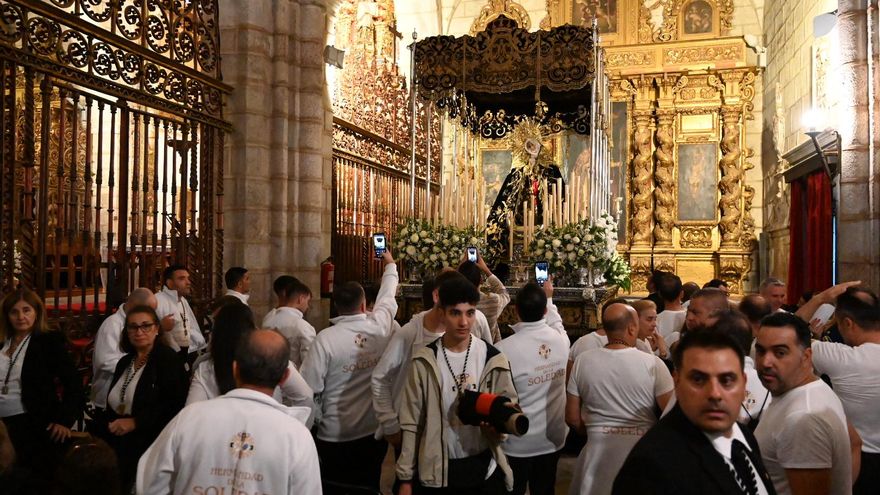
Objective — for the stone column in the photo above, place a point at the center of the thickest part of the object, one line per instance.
(278, 159)
(859, 181)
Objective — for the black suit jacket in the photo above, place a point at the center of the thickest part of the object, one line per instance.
(675, 457)
(47, 365)
(160, 393)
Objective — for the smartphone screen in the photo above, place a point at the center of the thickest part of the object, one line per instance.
(472, 254)
(542, 269)
(379, 244)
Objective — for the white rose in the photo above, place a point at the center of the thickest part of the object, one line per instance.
(576, 240)
(411, 250)
(423, 234)
(541, 243)
(425, 249)
(569, 247)
(455, 238)
(556, 243)
(571, 256)
(593, 258)
(443, 256)
(445, 264)
(414, 238)
(581, 252)
(557, 264)
(433, 257)
(445, 242)
(474, 241)
(588, 237)
(549, 255)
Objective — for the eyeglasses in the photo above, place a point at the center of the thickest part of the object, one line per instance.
(146, 327)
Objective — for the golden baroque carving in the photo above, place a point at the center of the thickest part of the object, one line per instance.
(747, 94)
(664, 263)
(617, 60)
(642, 183)
(641, 271)
(700, 54)
(733, 270)
(672, 11)
(547, 21)
(496, 8)
(665, 187)
(688, 94)
(696, 237)
(731, 177)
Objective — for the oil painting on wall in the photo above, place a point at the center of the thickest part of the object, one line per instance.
(697, 182)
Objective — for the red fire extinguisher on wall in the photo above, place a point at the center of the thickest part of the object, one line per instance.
(327, 269)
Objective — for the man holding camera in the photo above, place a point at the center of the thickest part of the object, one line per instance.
(439, 453)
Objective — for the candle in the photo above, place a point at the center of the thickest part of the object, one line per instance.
(510, 222)
(559, 200)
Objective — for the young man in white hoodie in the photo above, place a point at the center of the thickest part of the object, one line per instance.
(180, 328)
(338, 367)
(538, 355)
(390, 375)
(242, 442)
(440, 454)
(289, 319)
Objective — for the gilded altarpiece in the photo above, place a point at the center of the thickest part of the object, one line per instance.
(687, 88)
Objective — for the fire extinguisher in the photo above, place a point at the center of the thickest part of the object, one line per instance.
(327, 269)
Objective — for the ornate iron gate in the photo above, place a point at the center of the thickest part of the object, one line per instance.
(111, 152)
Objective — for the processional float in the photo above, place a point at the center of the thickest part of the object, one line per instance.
(506, 83)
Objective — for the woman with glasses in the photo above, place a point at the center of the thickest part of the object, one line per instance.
(147, 390)
(41, 395)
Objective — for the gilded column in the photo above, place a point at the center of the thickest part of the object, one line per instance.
(664, 202)
(731, 177)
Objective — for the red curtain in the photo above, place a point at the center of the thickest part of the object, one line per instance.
(810, 254)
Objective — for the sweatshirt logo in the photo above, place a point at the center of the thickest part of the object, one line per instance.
(360, 340)
(544, 351)
(241, 445)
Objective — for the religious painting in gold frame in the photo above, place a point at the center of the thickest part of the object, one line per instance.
(620, 158)
(698, 19)
(697, 183)
(495, 164)
(610, 14)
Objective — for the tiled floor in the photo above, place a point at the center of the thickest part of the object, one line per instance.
(563, 473)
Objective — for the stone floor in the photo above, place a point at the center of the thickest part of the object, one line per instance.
(563, 473)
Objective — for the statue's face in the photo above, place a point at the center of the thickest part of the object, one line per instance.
(533, 146)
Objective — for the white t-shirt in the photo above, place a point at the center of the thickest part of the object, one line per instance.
(805, 428)
(538, 356)
(10, 402)
(670, 321)
(298, 332)
(595, 341)
(619, 387)
(107, 354)
(854, 373)
(461, 440)
(757, 397)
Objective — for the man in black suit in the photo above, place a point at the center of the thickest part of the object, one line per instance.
(698, 448)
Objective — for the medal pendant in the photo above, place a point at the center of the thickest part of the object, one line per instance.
(5, 390)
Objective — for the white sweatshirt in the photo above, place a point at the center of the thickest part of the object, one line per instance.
(392, 371)
(538, 355)
(243, 440)
(298, 332)
(340, 363)
(185, 321)
(294, 392)
(107, 354)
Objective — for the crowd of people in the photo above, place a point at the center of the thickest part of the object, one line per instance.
(684, 391)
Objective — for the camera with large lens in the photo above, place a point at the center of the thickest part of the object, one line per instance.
(502, 413)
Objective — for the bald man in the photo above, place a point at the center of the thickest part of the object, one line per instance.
(612, 393)
(244, 438)
(107, 351)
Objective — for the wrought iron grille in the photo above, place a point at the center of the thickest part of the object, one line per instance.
(112, 149)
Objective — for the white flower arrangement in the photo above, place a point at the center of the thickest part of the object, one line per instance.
(427, 248)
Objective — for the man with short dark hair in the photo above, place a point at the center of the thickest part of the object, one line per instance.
(338, 367)
(803, 434)
(438, 451)
(698, 448)
(289, 319)
(390, 375)
(538, 357)
(755, 308)
(688, 289)
(774, 292)
(238, 283)
(612, 394)
(854, 369)
(492, 302)
(717, 283)
(652, 286)
(180, 328)
(672, 318)
(706, 307)
(244, 439)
